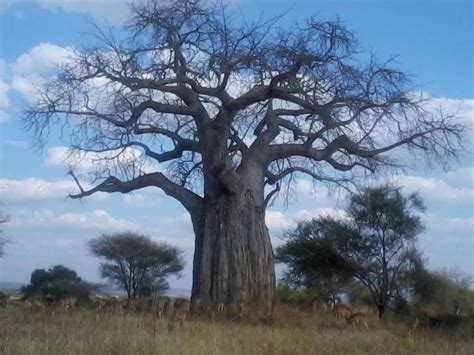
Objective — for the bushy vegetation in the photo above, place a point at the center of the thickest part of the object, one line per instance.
(56, 282)
(443, 292)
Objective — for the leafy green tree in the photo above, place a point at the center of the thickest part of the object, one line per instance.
(136, 263)
(313, 259)
(57, 281)
(375, 243)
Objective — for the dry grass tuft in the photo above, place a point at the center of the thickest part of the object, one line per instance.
(293, 332)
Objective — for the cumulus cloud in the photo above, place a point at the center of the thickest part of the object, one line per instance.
(32, 68)
(277, 221)
(97, 220)
(4, 100)
(4, 90)
(304, 215)
(110, 11)
(455, 189)
(35, 189)
(461, 178)
(40, 58)
(114, 12)
(90, 162)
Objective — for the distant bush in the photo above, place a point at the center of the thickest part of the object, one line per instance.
(444, 292)
(302, 298)
(57, 281)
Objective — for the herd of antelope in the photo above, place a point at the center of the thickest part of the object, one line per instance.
(177, 310)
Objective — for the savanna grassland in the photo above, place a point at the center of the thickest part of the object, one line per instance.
(84, 332)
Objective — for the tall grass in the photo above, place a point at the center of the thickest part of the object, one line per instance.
(83, 332)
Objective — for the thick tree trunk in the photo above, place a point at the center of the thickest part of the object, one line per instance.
(233, 260)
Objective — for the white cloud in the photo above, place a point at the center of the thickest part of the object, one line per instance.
(41, 58)
(90, 162)
(438, 191)
(277, 221)
(97, 220)
(35, 189)
(32, 68)
(304, 215)
(111, 11)
(4, 100)
(461, 178)
(4, 90)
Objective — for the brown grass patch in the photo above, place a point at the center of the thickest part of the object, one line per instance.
(292, 332)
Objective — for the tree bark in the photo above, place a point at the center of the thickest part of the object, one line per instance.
(233, 259)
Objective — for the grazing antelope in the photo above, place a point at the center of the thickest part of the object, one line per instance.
(68, 302)
(358, 319)
(342, 311)
(180, 312)
(108, 305)
(36, 305)
(163, 305)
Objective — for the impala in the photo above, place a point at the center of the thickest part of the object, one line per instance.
(342, 311)
(180, 312)
(358, 319)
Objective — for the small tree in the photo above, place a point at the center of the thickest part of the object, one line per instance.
(136, 263)
(57, 281)
(313, 259)
(375, 243)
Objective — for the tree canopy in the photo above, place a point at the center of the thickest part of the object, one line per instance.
(313, 259)
(135, 263)
(374, 243)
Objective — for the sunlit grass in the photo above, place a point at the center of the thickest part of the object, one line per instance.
(83, 332)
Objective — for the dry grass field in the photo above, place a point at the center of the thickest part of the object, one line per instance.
(82, 332)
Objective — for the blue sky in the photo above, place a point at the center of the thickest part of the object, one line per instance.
(433, 40)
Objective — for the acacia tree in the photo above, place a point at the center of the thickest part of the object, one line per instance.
(211, 109)
(313, 259)
(383, 250)
(136, 263)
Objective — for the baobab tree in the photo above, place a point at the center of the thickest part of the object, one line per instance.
(222, 114)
